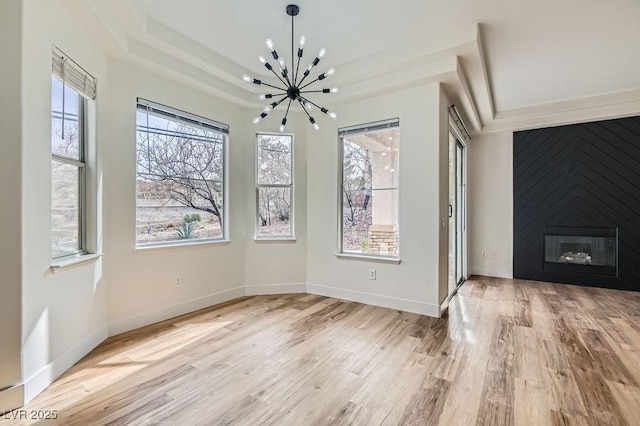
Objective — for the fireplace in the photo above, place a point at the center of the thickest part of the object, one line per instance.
(591, 251)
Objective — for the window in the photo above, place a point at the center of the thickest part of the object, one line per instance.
(274, 189)
(369, 189)
(70, 87)
(180, 179)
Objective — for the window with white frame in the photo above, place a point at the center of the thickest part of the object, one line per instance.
(369, 205)
(71, 89)
(180, 179)
(274, 186)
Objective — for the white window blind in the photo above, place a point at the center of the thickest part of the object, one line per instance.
(369, 127)
(73, 75)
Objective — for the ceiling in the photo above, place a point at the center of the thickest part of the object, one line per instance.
(501, 59)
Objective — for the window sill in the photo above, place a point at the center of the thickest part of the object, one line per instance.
(171, 246)
(275, 239)
(63, 264)
(369, 258)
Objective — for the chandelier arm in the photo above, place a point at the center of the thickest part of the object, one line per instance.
(288, 106)
(279, 102)
(303, 78)
(287, 112)
(275, 87)
(279, 78)
(309, 83)
(299, 99)
(288, 81)
(295, 75)
(314, 91)
(312, 103)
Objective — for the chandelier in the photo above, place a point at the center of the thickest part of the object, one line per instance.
(291, 85)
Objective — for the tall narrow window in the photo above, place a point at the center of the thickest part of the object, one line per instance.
(71, 86)
(274, 191)
(369, 189)
(180, 183)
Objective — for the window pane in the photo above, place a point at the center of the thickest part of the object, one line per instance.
(65, 129)
(370, 171)
(274, 159)
(179, 188)
(274, 212)
(65, 217)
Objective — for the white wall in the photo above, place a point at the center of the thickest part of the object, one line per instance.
(415, 284)
(490, 204)
(277, 266)
(10, 207)
(141, 283)
(64, 314)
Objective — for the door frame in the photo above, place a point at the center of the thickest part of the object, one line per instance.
(460, 140)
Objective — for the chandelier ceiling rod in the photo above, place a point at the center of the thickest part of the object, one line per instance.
(292, 89)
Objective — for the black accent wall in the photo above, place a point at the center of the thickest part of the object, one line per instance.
(581, 175)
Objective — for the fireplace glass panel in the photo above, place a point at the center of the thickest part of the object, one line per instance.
(580, 250)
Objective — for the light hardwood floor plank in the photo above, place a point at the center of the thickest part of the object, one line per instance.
(506, 352)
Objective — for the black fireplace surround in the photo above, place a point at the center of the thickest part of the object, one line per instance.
(577, 204)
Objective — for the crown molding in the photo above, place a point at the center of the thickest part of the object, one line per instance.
(599, 107)
(455, 59)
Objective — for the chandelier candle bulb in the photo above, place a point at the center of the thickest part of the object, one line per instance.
(270, 44)
(282, 128)
(334, 90)
(262, 59)
(316, 126)
(246, 78)
(321, 53)
(303, 39)
(267, 109)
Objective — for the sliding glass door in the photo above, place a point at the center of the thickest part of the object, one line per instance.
(457, 212)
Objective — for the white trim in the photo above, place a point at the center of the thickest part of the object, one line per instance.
(274, 240)
(390, 302)
(172, 245)
(266, 289)
(151, 317)
(490, 272)
(369, 258)
(65, 263)
(50, 372)
(291, 186)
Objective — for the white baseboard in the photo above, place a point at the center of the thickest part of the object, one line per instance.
(264, 289)
(152, 317)
(490, 272)
(406, 305)
(43, 378)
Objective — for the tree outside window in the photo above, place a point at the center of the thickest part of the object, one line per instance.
(274, 186)
(180, 179)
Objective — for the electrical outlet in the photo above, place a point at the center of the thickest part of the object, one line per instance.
(372, 274)
(494, 254)
(178, 282)
(484, 254)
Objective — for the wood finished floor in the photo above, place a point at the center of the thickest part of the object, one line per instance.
(509, 352)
